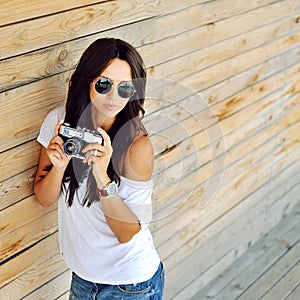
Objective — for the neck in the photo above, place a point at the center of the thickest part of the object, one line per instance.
(100, 121)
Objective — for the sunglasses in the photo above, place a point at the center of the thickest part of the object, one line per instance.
(104, 85)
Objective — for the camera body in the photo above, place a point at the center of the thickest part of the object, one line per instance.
(75, 139)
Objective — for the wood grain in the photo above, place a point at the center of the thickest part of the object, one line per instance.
(223, 114)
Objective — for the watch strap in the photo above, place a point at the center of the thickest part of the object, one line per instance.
(109, 190)
(101, 193)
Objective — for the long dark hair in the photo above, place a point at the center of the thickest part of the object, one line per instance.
(78, 110)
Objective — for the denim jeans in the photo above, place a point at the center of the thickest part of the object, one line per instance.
(151, 289)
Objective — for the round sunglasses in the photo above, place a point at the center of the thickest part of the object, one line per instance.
(104, 85)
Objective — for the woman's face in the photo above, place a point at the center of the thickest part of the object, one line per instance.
(107, 106)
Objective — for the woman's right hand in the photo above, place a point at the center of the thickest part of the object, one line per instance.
(55, 151)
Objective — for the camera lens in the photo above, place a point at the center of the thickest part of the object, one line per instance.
(72, 147)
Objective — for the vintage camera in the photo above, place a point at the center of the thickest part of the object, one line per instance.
(75, 139)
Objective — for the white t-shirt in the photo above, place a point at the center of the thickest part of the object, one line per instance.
(87, 244)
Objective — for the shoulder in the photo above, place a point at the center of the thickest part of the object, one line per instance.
(141, 145)
(56, 113)
(140, 157)
(54, 116)
(47, 130)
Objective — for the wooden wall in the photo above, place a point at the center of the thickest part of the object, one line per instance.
(223, 114)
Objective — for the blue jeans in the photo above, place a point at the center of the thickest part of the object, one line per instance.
(151, 289)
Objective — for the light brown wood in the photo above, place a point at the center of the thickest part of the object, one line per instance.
(241, 149)
(247, 270)
(37, 276)
(222, 50)
(213, 33)
(28, 260)
(10, 101)
(82, 21)
(21, 158)
(64, 56)
(223, 114)
(18, 10)
(16, 188)
(55, 288)
(28, 234)
(200, 256)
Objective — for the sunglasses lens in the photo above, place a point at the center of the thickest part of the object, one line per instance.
(126, 89)
(103, 85)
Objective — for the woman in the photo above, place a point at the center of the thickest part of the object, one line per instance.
(104, 197)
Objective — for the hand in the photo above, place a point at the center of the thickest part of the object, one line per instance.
(98, 157)
(55, 151)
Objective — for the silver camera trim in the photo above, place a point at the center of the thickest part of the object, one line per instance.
(88, 136)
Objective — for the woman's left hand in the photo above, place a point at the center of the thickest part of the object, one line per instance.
(98, 157)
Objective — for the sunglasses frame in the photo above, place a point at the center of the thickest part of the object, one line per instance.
(111, 86)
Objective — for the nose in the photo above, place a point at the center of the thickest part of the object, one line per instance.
(113, 93)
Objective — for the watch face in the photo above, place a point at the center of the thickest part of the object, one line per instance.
(112, 189)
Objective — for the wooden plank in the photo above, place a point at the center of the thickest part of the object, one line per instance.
(203, 257)
(22, 158)
(255, 142)
(282, 266)
(30, 233)
(247, 267)
(271, 66)
(24, 212)
(216, 32)
(289, 280)
(176, 208)
(221, 50)
(258, 138)
(28, 260)
(233, 136)
(260, 168)
(16, 188)
(60, 90)
(294, 295)
(19, 10)
(72, 24)
(69, 25)
(212, 11)
(215, 85)
(53, 289)
(39, 276)
(63, 297)
(180, 113)
(64, 56)
(172, 242)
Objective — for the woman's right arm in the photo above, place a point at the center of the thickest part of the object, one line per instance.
(52, 165)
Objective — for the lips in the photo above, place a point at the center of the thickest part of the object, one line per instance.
(110, 107)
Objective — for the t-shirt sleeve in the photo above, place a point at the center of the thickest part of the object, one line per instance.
(47, 130)
(137, 195)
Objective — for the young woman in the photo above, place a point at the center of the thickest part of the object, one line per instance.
(104, 197)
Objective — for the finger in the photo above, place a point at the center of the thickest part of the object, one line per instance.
(57, 140)
(90, 156)
(105, 136)
(92, 147)
(90, 160)
(59, 123)
(56, 148)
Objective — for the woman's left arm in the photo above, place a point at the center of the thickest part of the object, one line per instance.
(138, 166)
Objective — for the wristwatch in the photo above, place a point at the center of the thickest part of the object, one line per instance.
(110, 190)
